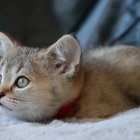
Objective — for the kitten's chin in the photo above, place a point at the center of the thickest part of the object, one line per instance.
(32, 118)
(5, 107)
(33, 115)
(26, 115)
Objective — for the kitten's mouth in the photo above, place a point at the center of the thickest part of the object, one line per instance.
(5, 107)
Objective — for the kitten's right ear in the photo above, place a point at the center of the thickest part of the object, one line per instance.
(6, 44)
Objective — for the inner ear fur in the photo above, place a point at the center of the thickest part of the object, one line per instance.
(7, 44)
(64, 55)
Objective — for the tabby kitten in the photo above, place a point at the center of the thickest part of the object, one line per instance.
(39, 84)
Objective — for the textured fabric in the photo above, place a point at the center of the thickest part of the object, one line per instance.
(123, 127)
(111, 22)
(95, 22)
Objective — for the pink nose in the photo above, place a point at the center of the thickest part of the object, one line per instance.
(2, 94)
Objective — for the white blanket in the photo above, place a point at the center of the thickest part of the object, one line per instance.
(123, 127)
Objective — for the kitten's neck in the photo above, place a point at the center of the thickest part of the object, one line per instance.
(71, 106)
(66, 110)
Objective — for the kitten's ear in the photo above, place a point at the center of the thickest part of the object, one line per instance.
(64, 55)
(6, 44)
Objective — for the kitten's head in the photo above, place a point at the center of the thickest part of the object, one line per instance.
(35, 83)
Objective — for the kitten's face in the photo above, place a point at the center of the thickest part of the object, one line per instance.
(35, 83)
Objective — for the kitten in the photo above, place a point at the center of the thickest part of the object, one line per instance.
(39, 84)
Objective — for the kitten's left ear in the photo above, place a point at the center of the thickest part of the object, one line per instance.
(64, 55)
(6, 44)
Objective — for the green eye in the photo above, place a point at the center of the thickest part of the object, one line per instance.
(22, 82)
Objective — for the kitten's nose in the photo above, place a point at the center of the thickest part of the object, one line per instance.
(2, 94)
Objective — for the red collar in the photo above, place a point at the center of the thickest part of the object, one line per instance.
(65, 110)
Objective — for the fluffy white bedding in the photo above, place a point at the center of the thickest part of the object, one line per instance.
(123, 127)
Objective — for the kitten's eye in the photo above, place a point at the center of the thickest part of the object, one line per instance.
(0, 78)
(22, 82)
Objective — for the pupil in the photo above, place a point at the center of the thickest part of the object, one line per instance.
(22, 81)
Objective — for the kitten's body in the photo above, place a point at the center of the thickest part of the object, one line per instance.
(104, 81)
(111, 82)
